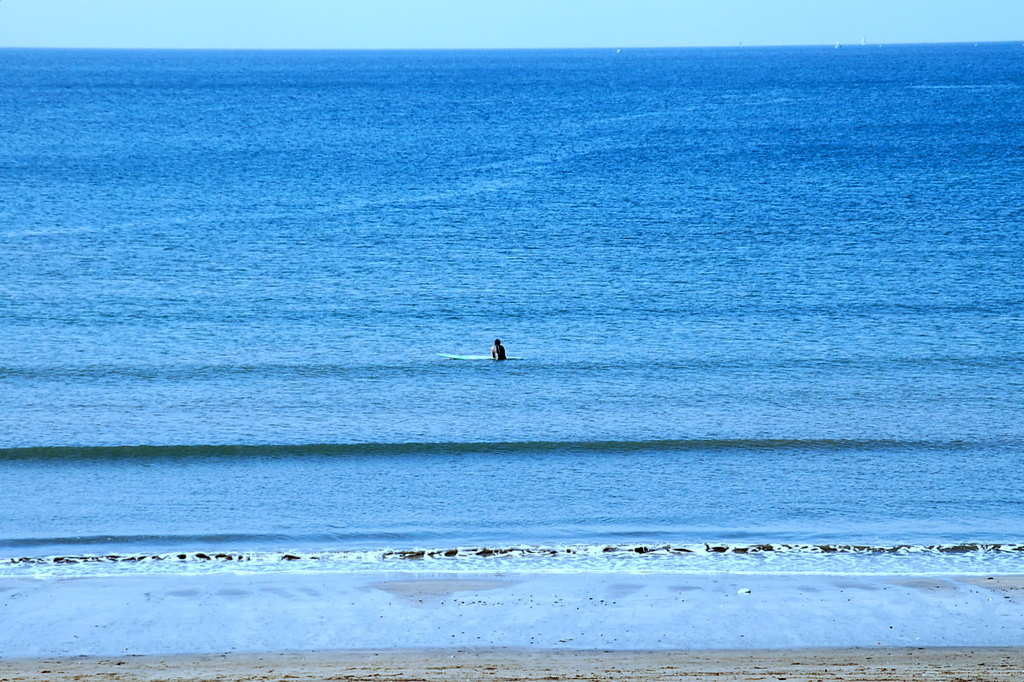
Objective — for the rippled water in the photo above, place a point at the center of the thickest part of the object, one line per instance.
(762, 296)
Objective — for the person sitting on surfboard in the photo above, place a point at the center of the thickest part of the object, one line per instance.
(497, 350)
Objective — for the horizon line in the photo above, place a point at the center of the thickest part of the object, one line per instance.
(839, 44)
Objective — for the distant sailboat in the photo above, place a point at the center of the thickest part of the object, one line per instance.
(863, 41)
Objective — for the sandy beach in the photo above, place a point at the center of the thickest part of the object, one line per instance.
(227, 612)
(863, 665)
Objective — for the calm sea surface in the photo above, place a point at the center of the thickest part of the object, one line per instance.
(770, 305)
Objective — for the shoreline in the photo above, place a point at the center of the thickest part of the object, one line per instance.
(220, 613)
(979, 664)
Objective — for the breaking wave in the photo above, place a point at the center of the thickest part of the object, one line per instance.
(693, 558)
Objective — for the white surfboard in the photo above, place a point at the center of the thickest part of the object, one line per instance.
(475, 357)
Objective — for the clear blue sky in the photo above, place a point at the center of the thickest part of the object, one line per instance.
(348, 24)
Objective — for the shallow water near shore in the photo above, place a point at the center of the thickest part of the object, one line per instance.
(769, 304)
(748, 507)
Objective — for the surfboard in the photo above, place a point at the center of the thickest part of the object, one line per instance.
(474, 357)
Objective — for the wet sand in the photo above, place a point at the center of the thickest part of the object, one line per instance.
(802, 665)
(167, 615)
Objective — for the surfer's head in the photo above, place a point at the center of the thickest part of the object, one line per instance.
(497, 342)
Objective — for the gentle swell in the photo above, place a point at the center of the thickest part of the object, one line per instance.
(400, 449)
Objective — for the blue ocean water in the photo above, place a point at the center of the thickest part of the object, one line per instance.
(770, 304)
